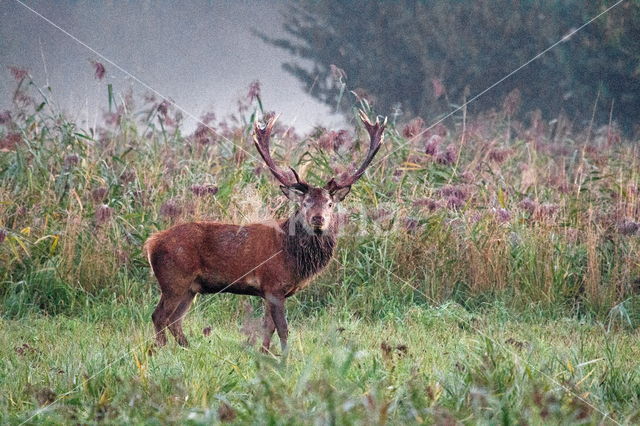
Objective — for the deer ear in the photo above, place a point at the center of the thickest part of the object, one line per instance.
(292, 193)
(340, 194)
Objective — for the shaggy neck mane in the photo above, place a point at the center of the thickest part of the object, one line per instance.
(306, 253)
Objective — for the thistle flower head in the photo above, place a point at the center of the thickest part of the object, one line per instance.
(254, 90)
(99, 70)
(98, 194)
(432, 144)
(5, 117)
(628, 227)
(447, 157)
(71, 160)
(502, 215)
(202, 190)
(413, 128)
(170, 209)
(528, 205)
(103, 214)
(18, 73)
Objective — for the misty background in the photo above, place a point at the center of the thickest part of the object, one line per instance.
(314, 60)
(200, 54)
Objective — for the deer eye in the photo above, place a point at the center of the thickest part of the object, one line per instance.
(330, 204)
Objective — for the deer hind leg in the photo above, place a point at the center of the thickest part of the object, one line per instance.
(175, 320)
(268, 327)
(159, 318)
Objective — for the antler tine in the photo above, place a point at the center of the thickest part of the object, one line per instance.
(376, 133)
(261, 139)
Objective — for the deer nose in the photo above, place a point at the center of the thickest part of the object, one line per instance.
(317, 220)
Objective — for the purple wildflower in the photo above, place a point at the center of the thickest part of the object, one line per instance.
(9, 142)
(454, 202)
(499, 155)
(98, 194)
(431, 146)
(429, 203)
(18, 73)
(528, 205)
(413, 128)
(5, 117)
(163, 108)
(100, 71)
(3, 235)
(71, 160)
(457, 191)
(114, 118)
(208, 117)
(254, 90)
(411, 225)
(103, 213)
(128, 176)
(202, 190)
(628, 227)
(447, 157)
(171, 209)
(502, 215)
(546, 211)
(204, 135)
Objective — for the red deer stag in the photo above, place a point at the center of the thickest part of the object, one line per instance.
(273, 262)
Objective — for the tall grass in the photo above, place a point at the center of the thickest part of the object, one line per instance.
(531, 214)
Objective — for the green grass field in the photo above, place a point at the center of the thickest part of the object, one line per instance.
(487, 272)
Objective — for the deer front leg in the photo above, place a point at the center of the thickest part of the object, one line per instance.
(276, 307)
(268, 328)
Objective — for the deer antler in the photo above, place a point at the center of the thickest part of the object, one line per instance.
(376, 133)
(261, 139)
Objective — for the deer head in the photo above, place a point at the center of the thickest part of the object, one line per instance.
(317, 203)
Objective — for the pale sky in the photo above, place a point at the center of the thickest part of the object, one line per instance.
(201, 54)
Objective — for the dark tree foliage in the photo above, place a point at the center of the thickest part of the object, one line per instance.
(399, 51)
